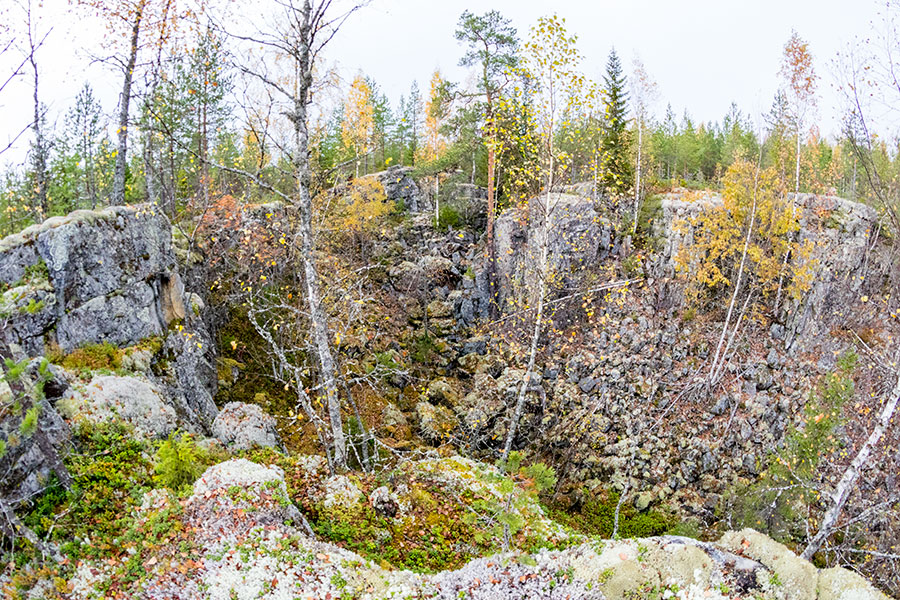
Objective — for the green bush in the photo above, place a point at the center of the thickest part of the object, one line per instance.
(596, 517)
(179, 462)
(110, 472)
(448, 216)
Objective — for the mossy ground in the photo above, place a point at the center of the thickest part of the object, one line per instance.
(596, 517)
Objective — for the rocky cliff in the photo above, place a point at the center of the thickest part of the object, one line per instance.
(71, 285)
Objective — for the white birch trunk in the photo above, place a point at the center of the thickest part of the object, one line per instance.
(848, 481)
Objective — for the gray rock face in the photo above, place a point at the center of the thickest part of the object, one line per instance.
(109, 276)
(30, 451)
(241, 426)
(112, 273)
(578, 238)
(400, 187)
(840, 245)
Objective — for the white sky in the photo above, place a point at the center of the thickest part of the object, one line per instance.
(703, 54)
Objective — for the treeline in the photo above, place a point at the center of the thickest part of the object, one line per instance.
(198, 130)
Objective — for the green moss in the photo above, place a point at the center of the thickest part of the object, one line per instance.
(152, 344)
(91, 357)
(110, 470)
(37, 272)
(32, 307)
(597, 517)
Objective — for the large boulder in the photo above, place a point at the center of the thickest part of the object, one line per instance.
(400, 187)
(241, 426)
(134, 400)
(109, 276)
(112, 271)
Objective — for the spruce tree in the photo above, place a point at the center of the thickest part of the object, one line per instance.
(616, 167)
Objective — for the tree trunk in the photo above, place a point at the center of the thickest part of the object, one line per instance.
(637, 179)
(493, 288)
(538, 320)
(150, 171)
(848, 481)
(40, 144)
(40, 151)
(797, 173)
(118, 195)
(710, 380)
(318, 321)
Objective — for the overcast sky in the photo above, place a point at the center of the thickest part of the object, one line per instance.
(703, 54)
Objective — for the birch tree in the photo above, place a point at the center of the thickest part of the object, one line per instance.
(132, 25)
(551, 61)
(847, 485)
(40, 146)
(301, 31)
(800, 79)
(358, 123)
(643, 94)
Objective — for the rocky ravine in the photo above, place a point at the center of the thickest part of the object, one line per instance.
(111, 276)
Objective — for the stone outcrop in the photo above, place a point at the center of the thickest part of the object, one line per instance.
(839, 232)
(31, 453)
(109, 276)
(112, 273)
(579, 237)
(400, 187)
(134, 400)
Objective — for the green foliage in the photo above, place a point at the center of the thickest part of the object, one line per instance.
(633, 265)
(596, 516)
(29, 423)
(179, 462)
(110, 471)
(651, 210)
(448, 217)
(32, 307)
(424, 349)
(34, 274)
(91, 357)
(615, 165)
(15, 369)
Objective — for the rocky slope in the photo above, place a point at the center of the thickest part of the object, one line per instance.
(245, 541)
(71, 285)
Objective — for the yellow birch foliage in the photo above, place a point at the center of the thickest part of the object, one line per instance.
(711, 263)
(359, 118)
(435, 144)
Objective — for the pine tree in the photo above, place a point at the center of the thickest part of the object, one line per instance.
(615, 161)
(412, 117)
(84, 129)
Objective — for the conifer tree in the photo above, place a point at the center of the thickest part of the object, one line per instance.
(615, 163)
